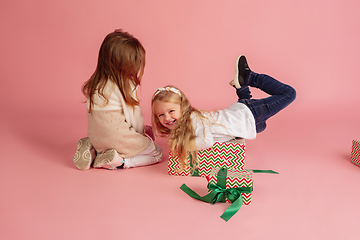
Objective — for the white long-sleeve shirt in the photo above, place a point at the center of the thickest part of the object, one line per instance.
(224, 125)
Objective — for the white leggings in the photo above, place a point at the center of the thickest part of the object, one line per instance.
(151, 155)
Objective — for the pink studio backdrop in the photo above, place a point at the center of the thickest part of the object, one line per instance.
(49, 49)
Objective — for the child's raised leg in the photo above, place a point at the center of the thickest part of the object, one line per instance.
(281, 94)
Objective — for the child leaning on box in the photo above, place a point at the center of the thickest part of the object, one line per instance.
(189, 129)
(115, 121)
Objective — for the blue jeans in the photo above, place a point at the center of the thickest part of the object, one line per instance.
(262, 109)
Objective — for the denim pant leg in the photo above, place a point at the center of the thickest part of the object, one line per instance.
(281, 96)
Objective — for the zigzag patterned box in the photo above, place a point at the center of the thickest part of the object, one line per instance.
(226, 154)
(355, 153)
(235, 179)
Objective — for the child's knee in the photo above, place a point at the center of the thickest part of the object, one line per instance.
(291, 93)
(260, 127)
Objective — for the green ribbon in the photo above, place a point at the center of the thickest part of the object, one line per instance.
(263, 171)
(219, 193)
(195, 173)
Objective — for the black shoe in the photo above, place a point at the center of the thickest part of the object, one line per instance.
(242, 70)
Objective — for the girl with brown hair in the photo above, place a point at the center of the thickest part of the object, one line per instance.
(116, 133)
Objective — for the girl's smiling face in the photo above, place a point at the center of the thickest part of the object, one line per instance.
(168, 113)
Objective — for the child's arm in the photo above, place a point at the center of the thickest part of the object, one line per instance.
(149, 132)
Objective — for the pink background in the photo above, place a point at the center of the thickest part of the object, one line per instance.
(49, 49)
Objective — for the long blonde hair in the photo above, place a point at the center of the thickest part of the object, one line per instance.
(181, 139)
(121, 60)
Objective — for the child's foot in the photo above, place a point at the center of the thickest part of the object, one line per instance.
(83, 156)
(109, 159)
(242, 70)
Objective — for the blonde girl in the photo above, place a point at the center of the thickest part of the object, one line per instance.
(116, 134)
(189, 129)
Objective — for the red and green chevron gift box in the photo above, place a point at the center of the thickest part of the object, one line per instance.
(355, 153)
(235, 179)
(226, 154)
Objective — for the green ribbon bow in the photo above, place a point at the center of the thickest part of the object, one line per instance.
(219, 193)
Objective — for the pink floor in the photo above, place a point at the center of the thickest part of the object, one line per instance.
(49, 49)
(43, 196)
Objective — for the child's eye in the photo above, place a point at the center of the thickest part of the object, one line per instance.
(160, 115)
(172, 111)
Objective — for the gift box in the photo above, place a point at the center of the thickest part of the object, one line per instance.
(355, 153)
(226, 186)
(234, 179)
(229, 154)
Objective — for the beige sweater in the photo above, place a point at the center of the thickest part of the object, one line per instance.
(116, 125)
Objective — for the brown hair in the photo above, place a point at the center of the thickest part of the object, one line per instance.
(121, 60)
(181, 139)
